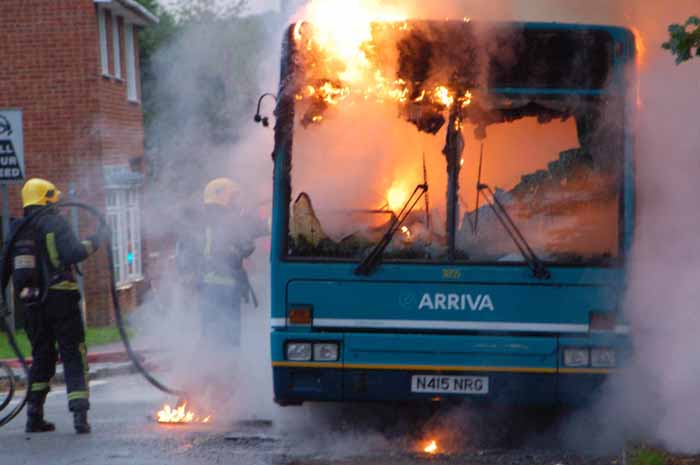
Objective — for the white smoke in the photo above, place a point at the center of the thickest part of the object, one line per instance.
(665, 264)
(207, 80)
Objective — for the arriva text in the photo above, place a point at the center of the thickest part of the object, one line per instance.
(475, 303)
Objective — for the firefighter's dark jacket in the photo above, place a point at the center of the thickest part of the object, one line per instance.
(226, 244)
(214, 253)
(62, 249)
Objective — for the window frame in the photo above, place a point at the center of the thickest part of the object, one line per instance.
(123, 209)
(116, 47)
(132, 92)
(104, 49)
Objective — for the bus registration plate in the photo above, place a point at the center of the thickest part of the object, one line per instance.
(478, 385)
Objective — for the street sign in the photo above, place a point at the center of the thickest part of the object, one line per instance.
(11, 171)
(11, 146)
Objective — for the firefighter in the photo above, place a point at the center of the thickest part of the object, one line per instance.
(57, 320)
(224, 281)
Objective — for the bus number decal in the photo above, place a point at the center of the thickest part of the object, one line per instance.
(451, 273)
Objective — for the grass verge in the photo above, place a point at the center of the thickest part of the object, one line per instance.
(94, 337)
(646, 455)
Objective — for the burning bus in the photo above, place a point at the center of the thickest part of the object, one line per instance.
(453, 209)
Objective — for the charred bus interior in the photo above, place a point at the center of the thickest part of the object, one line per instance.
(482, 114)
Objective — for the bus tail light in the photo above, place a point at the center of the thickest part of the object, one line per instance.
(576, 357)
(299, 315)
(602, 321)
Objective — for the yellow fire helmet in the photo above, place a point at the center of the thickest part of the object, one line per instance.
(39, 192)
(220, 191)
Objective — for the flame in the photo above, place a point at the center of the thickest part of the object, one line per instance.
(641, 47)
(431, 447)
(466, 99)
(341, 27)
(442, 95)
(331, 94)
(406, 232)
(297, 31)
(336, 39)
(396, 196)
(179, 414)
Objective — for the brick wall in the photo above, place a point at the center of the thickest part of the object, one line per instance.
(75, 119)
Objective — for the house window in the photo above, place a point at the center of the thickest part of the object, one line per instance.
(124, 218)
(117, 47)
(132, 91)
(104, 52)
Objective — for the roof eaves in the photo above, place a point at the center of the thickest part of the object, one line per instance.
(145, 17)
(141, 10)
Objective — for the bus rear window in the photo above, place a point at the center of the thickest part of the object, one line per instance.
(550, 59)
(455, 106)
(497, 56)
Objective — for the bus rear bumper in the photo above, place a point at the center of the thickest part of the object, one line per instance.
(296, 384)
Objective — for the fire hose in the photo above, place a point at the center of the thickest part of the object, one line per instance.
(10, 375)
(118, 316)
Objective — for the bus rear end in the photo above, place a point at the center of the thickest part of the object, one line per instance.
(452, 215)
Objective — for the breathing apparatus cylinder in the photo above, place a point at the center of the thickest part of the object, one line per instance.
(29, 269)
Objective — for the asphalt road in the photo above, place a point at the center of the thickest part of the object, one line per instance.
(123, 433)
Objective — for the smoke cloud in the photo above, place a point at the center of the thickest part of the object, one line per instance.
(665, 262)
(207, 81)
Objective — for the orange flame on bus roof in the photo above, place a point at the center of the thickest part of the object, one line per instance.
(640, 45)
(341, 27)
(641, 49)
(336, 35)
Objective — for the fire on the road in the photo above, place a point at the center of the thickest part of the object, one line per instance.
(432, 447)
(179, 414)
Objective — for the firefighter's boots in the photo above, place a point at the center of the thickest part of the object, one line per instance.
(80, 422)
(35, 419)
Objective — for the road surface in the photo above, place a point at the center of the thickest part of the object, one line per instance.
(124, 433)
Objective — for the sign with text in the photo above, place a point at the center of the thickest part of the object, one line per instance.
(11, 146)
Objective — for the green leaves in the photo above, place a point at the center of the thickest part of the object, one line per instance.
(685, 39)
(204, 11)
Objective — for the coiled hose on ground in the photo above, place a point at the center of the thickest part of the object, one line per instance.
(5, 272)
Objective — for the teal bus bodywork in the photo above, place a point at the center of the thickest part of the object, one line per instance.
(411, 326)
